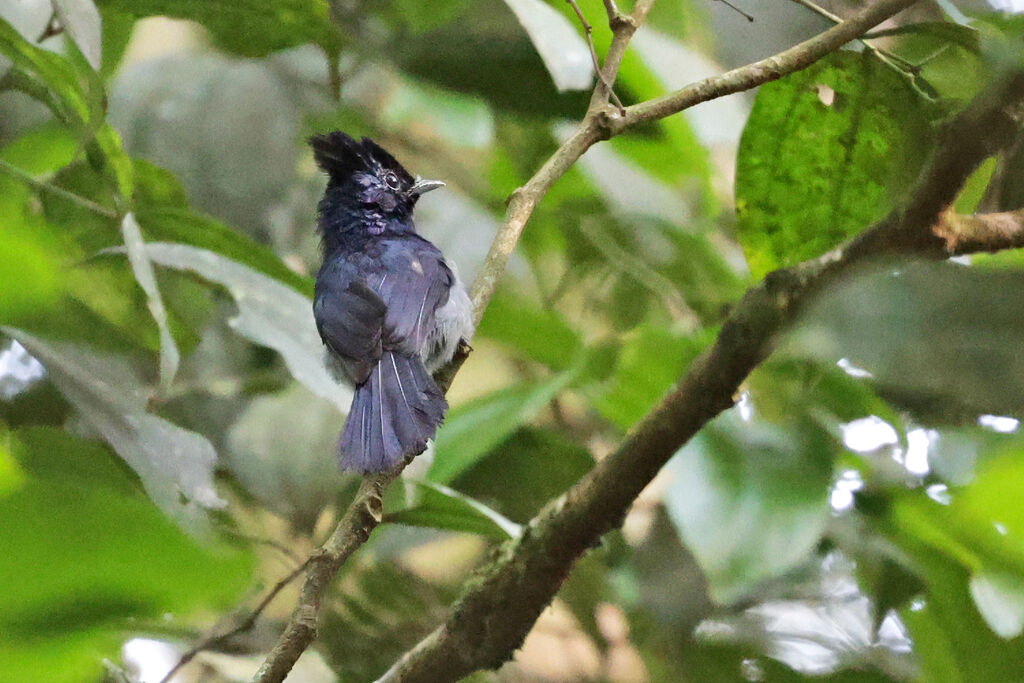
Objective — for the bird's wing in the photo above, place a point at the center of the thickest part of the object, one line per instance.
(350, 318)
(414, 285)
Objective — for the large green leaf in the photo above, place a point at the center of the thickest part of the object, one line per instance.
(968, 549)
(542, 462)
(750, 500)
(269, 313)
(163, 222)
(825, 152)
(76, 98)
(542, 335)
(175, 465)
(650, 362)
(84, 554)
(440, 507)
(938, 334)
(473, 429)
(251, 28)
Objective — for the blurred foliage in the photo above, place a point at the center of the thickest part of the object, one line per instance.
(855, 518)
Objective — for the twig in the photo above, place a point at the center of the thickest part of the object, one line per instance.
(211, 641)
(893, 60)
(758, 73)
(598, 124)
(612, 9)
(491, 620)
(269, 542)
(658, 285)
(44, 186)
(53, 28)
(736, 9)
(589, 30)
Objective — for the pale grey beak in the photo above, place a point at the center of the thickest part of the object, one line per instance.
(421, 186)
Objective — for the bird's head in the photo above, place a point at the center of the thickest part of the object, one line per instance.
(366, 175)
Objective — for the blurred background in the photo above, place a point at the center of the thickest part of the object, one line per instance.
(167, 428)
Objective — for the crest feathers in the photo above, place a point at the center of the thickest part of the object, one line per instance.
(341, 156)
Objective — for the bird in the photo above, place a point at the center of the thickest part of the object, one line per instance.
(389, 307)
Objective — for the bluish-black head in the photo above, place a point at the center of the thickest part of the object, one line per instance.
(367, 188)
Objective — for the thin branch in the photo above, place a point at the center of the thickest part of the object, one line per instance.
(44, 186)
(589, 30)
(259, 540)
(896, 62)
(360, 519)
(758, 73)
(213, 641)
(737, 10)
(612, 9)
(490, 621)
(53, 28)
(600, 123)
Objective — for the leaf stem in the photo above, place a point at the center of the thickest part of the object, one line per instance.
(44, 186)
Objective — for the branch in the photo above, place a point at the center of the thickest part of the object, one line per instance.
(772, 68)
(985, 232)
(491, 620)
(600, 123)
(589, 30)
(361, 518)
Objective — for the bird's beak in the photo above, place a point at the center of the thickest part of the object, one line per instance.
(421, 186)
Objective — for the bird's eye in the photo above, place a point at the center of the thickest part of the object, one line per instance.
(391, 180)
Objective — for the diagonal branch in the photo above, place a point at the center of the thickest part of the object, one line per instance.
(491, 620)
(600, 123)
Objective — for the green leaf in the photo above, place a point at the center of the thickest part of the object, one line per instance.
(117, 31)
(250, 28)
(441, 507)
(55, 74)
(749, 500)
(29, 272)
(421, 17)
(473, 429)
(999, 597)
(942, 332)
(542, 462)
(175, 465)
(161, 221)
(949, 56)
(970, 553)
(269, 313)
(650, 362)
(85, 555)
(81, 20)
(116, 162)
(826, 151)
(542, 335)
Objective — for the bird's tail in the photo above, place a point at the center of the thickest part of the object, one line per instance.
(394, 412)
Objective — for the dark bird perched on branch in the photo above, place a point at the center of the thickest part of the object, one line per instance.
(389, 308)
